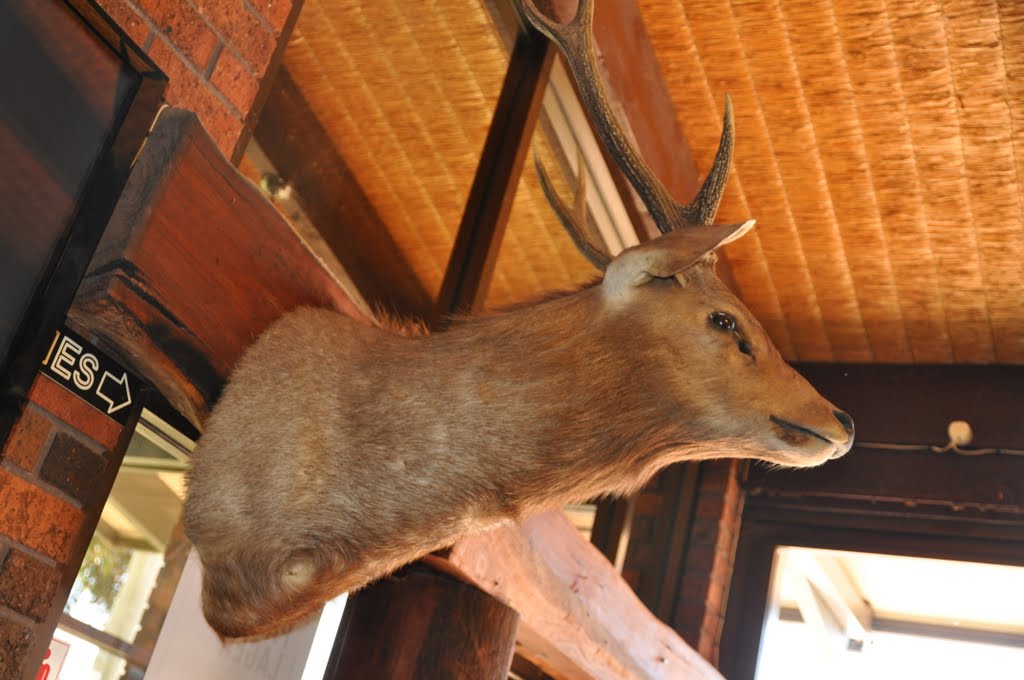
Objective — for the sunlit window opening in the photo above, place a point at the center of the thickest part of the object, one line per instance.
(103, 623)
(840, 615)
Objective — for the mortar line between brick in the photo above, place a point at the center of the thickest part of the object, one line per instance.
(41, 484)
(17, 618)
(259, 17)
(44, 448)
(225, 42)
(65, 427)
(214, 58)
(195, 71)
(31, 552)
(146, 19)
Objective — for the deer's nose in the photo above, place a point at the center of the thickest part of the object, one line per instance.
(845, 420)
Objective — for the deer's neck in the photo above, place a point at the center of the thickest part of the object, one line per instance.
(546, 396)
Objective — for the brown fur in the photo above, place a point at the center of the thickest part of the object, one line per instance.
(339, 451)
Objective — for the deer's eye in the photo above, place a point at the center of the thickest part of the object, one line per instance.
(722, 321)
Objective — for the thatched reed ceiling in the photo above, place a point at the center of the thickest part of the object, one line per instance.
(880, 148)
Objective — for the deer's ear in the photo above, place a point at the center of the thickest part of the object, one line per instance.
(667, 255)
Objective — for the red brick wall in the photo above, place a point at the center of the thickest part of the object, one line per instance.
(56, 469)
(58, 464)
(215, 53)
(711, 549)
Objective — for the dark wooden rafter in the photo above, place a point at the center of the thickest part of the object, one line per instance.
(478, 241)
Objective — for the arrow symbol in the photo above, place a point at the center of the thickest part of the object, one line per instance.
(123, 382)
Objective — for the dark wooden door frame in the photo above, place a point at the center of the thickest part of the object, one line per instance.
(766, 527)
(894, 500)
(142, 86)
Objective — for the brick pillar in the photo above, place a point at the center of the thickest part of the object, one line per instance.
(707, 568)
(216, 54)
(62, 455)
(56, 470)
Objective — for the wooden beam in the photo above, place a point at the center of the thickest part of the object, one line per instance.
(902, 404)
(468, 276)
(194, 265)
(304, 157)
(545, 571)
(933, 481)
(196, 262)
(833, 593)
(613, 524)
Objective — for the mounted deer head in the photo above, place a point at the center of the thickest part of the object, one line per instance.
(339, 451)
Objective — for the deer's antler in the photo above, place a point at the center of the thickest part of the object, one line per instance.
(576, 44)
(574, 221)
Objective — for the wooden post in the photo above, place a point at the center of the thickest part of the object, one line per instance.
(421, 623)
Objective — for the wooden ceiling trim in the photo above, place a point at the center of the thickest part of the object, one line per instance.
(919, 34)
(875, 77)
(979, 79)
(836, 127)
(517, 268)
(471, 265)
(699, 114)
(447, 76)
(456, 104)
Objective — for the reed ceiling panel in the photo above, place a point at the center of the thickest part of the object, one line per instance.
(879, 146)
